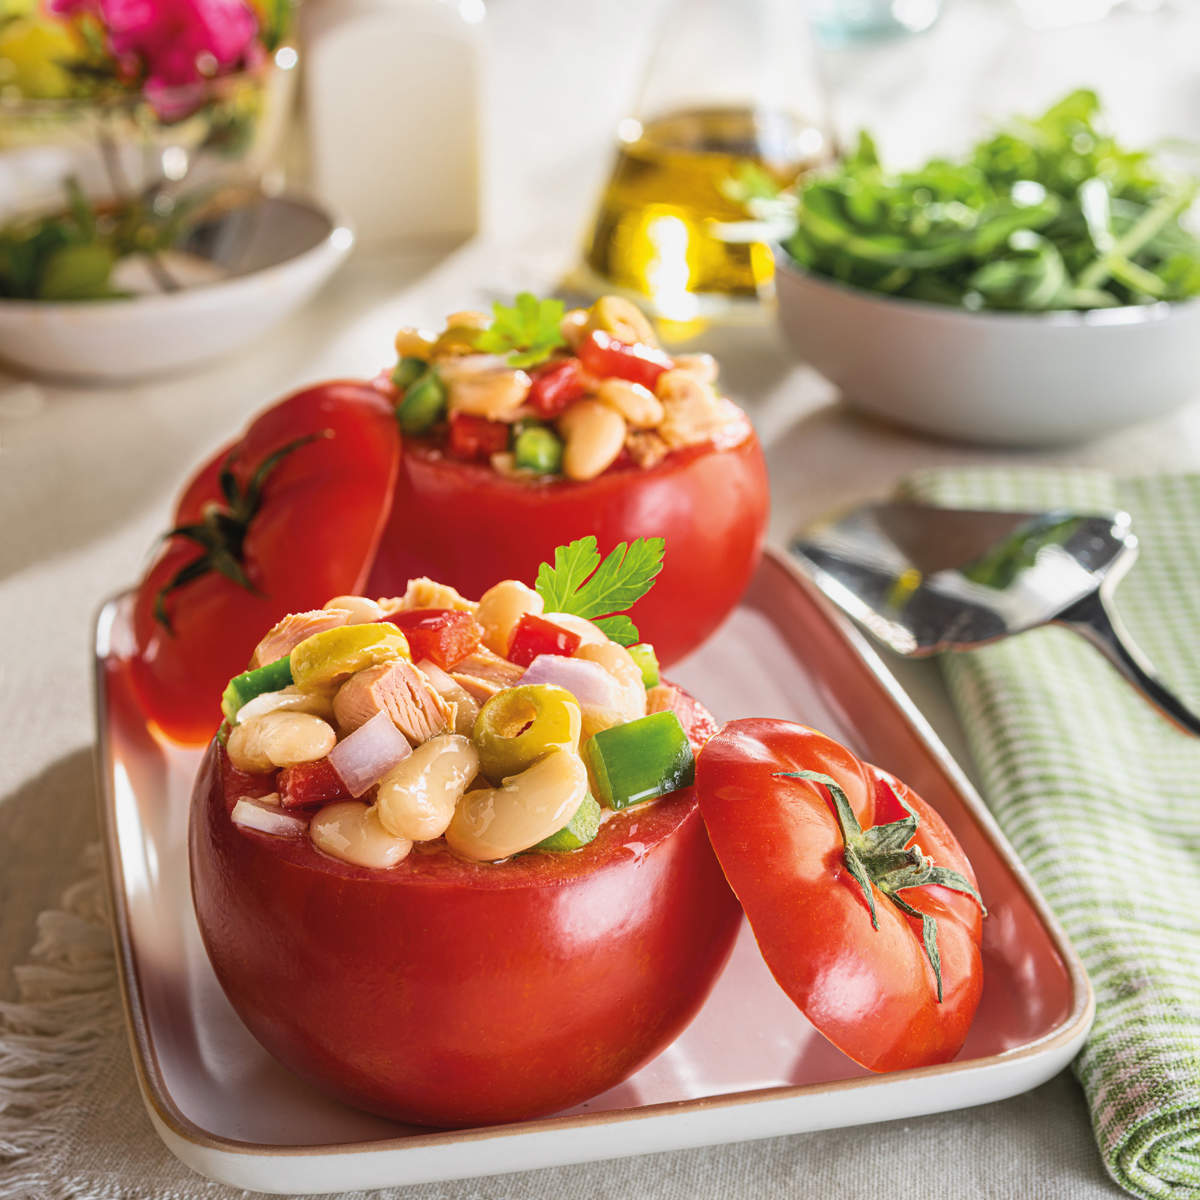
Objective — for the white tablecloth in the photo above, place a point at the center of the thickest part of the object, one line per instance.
(87, 478)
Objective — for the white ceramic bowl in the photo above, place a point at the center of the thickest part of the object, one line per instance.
(278, 252)
(1003, 378)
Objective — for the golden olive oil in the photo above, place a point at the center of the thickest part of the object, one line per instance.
(656, 231)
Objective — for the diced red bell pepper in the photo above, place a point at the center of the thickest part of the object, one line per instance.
(444, 635)
(555, 386)
(602, 355)
(311, 783)
(535, 635)
(476, 439)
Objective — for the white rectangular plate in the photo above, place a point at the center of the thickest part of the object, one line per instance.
(749, 1066)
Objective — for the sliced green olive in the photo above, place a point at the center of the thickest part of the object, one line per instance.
(520, 725)
(333, 655)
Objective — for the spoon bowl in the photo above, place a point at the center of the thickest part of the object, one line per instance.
(924, 580)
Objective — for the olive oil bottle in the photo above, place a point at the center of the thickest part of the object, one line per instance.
(658, 231)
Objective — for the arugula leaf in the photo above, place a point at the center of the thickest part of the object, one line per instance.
(1049, 212)
(529, 331)
(580, 583)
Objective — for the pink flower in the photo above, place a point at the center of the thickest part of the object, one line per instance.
(176, 42)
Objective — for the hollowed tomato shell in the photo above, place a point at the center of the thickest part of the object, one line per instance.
(466, 525)
(448, 993)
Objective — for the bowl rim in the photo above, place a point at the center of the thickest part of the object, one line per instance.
(1125, 314)
(339, 238)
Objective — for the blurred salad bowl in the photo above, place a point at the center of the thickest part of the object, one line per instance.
(1003, 378)
(247, 266)
(1041, 288)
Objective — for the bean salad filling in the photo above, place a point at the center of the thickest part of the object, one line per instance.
(521, 721)
(535, 390)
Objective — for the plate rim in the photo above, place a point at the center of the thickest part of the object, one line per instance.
(169, 1119)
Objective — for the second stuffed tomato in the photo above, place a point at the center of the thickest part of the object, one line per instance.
(529, 428)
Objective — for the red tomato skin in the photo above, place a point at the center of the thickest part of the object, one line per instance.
(871, 992)
(449, 993)
(468, 526)
(534, 635)
(314, 537)
(445, 636)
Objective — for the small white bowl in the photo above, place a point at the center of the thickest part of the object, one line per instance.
(278, 252)
(1018, 379)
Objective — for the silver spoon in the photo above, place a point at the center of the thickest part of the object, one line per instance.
(924, 579)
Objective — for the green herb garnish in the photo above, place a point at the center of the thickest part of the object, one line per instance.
(580, 583)
(528, 332)
(1049, 213)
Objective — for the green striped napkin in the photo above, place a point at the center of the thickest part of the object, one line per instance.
(1101, 798)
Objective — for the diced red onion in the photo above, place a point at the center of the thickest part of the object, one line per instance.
(260, 814)
(588, 682)
(365, 756)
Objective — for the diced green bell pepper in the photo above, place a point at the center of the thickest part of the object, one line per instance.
(423, 403)
(407, 371)
(244, 687)
(539, 449)
(578, 831)
(640, 760)
(643, 654)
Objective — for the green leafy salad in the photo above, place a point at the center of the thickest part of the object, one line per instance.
(1047, 213)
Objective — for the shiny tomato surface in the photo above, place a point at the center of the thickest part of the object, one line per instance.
(868, 986)
(449, 993)
(465, 525)
(312, 536)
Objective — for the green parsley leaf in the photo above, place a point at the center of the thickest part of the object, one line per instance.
(529, 332)
(580, 583)
(619, 629)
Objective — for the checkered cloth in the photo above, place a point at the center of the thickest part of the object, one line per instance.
(1101, 798)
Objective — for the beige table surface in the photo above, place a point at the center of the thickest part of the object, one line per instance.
(87, 478)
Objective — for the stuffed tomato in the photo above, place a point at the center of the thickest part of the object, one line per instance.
(532, 427)
(446, 857)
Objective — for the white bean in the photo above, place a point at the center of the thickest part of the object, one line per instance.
(279, 739)
(362, 611)
(289, 699)
(618, 662)
(485, 387)
(416, 797)
(501, 607)
(493, 823)
(586, 630)
(593, 435)
(353, 832)
(635, 402)
(574, 326)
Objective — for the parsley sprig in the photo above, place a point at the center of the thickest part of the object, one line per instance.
(580, 583)
(528, 332)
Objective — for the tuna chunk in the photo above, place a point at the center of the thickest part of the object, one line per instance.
(283, 636)
(484, 673)
(400, 690)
